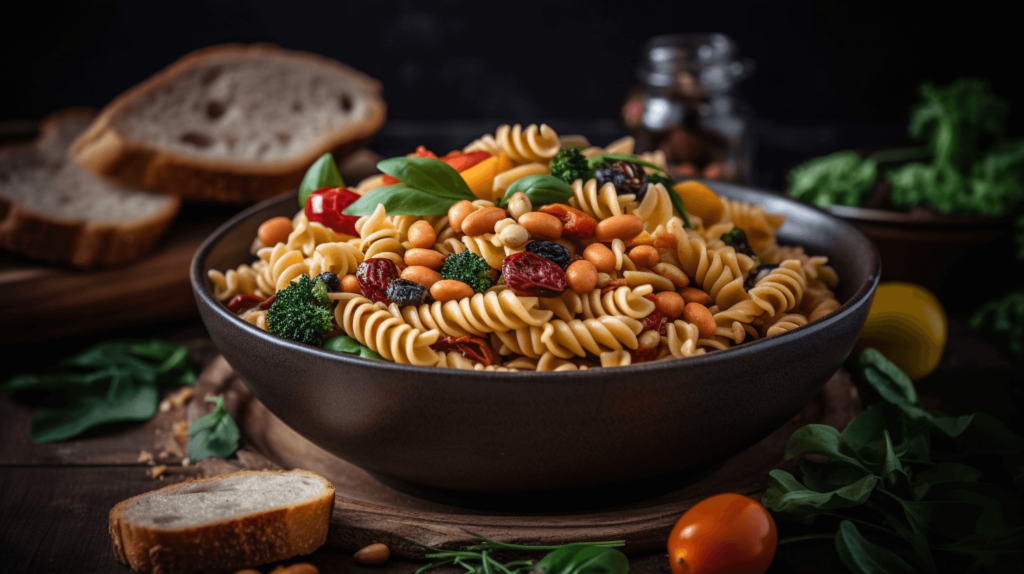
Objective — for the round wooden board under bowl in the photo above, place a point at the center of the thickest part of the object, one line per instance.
(369, 510)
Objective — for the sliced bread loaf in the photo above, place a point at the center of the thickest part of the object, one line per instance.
(232, 123)
(223, 523)
(53, 210)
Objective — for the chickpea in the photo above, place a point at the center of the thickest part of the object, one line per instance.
(423, 257)
(644, 256)
(670, 304)
(349, 284)
(274, 230)
(425, 276)
(694, 295)
(581, 276)
(482, 221)
(372, 554)
(450, 290)
(518, 205)
(513, 235)
(422, 235)
(603, 279)
(700, 316)
(602, 257)
(541, 225)
(457, 213)
(624, 227)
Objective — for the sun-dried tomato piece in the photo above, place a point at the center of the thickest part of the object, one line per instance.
(268, 302)
(473, 348)
(242, 302)
(575, 223)
(644, 354)
(374, 275)
(529, 275)
(653, 321)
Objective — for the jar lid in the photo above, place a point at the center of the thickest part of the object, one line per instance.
(695, 63)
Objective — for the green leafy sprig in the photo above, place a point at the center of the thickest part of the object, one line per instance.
(109, 382)
(349, 346)
(426, 187)
(542, 189)
(1004, 318)
(901, 480)
(323, 173)
(215, 434)
(578, 558)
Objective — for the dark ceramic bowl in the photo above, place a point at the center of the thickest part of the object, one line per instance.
(517, 432)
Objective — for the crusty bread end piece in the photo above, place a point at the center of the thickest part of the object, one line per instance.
(223, 523)
(53, 210)
(232, 123)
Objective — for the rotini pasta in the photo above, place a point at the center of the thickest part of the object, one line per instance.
(386, 334)
(478, 315)
(599, 202)
(378, 237)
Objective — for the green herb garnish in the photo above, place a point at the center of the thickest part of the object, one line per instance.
(323, 173)
(569, 164)
(1005, 318)
(215, 434)
(842, 178)
(540, 188)
(349, 346)
(109, 382)
(427, 187)
(579, 558)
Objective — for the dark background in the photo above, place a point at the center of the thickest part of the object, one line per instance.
(830, 75)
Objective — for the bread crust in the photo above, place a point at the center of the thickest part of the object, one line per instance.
(244, 541)
(79, 242)
(106, 151)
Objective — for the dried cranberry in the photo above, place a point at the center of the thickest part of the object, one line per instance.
(331, 280)
(474, 348)
(529, 275)
(405, 292)
(627, 177)
(242, 302)
(326, 206)
(575, 223)
(551, 251)
(374, 276)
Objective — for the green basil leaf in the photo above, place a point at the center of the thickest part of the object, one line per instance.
(349, 346)
(431, 176)
(786, 495)
(862, 556)
(215, 434)
(594, 161)
(888, 375)
(542, 189)
(830, 474)
(323, 173)
(400, 199)
(68, 413)
(818, 439)
(583, 559)
(943, 473)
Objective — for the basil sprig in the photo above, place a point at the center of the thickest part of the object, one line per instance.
(541, 189)
(215, 434)
(323, 173)
(677, 202)
(349, 346)
(427, 187)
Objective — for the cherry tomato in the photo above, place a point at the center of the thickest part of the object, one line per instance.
(726, 533)
(326, 206)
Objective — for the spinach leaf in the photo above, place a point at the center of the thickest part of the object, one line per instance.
(430, 176)
(1004, 319)
(323, 173)
(583, 559)
(110, 382)
(349, 346)
(400, 199)
(542, 189)
(864, 557)
(787, 496)
(215, 434)
(841, 178)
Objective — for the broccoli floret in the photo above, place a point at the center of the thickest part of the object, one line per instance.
(469, 268)
(301, 312)
(737, 239)
(569, 164)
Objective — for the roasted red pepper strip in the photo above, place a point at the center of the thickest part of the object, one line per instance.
(326, 206)
(575, 223)
(473, 348)
(242, 302)
(652, 322)
(268, 302)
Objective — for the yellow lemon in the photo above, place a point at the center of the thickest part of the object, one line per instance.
(908, 325)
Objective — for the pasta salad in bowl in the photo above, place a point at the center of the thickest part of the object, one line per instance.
(528, 252)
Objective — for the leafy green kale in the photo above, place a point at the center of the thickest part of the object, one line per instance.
(906, 484)
(215, 434)
(841, 178)
(1005, 318)
(955, 119)
(569, 164)
(469, 268)
(301, 312)
(109, 382)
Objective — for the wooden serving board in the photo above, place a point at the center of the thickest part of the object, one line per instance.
(367, 510)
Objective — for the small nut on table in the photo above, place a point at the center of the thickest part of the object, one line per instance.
(373, 554)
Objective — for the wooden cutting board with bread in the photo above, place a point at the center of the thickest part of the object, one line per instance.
(89, 211)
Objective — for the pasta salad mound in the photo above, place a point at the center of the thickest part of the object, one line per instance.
(524, 251)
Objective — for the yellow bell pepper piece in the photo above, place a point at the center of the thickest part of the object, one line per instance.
(908, 325)
(480, 177)
(699, 200)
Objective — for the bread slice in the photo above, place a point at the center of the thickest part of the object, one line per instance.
(223, 523)
(232, 123)
(53, 210)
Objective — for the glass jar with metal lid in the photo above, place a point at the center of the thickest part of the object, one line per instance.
(685, 107)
